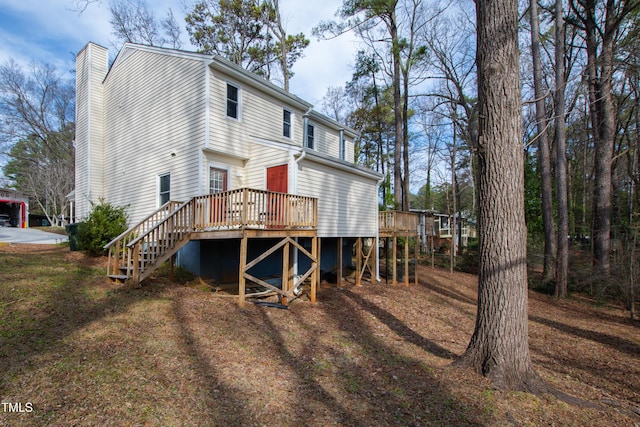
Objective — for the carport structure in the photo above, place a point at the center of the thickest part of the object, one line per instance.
(16, 205)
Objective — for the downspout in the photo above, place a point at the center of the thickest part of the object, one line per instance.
(295, 191)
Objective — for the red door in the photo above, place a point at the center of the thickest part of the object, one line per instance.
(277, 181)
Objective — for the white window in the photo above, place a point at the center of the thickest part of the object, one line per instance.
(164, 187)
(233, 101)
(286, 123)
(309, 140)
(343, 145)
(217, 180)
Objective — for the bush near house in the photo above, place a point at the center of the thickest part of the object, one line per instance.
(104, 223)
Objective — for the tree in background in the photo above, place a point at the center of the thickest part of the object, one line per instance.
(393, 31)
(37, 129)
(544, 153)
(133, 22)
(249, 33)
(602, 23)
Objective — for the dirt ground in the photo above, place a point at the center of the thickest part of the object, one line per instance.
(374, 355)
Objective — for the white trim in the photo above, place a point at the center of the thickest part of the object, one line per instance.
(313, 156)
(224, 153)
(207, 104)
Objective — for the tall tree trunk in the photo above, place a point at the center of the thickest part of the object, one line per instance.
(544, 155)
(599, 74)
(397, 107)
(499, 347)
(562, 267)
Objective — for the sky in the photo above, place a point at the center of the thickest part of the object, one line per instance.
(50, 31)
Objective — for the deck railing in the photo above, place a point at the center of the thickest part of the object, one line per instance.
(135, 253)
(251, 208)
(397, 221)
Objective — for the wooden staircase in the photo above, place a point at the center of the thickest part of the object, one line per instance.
(137, 252)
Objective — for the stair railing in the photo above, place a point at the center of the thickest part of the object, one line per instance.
(118, 256)
(159, 242)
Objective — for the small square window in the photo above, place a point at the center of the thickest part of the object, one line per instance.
(232, 101)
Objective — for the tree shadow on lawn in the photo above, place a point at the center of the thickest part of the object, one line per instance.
(318, 365)
(59, 297)
(615, 342)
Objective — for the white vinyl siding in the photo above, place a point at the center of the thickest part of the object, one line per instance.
(154, 115)
(347, 203)
(261, 117)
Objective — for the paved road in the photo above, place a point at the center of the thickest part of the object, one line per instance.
(29, 235)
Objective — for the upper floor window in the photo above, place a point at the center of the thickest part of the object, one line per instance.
(164, 186)
(233, 101)
(343, 145)
(309, 140)
(286, 123)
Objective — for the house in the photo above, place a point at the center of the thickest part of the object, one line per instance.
(160, 128)
(435, 231)
(14, 206)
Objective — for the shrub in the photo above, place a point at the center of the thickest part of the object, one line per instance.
(104, 223)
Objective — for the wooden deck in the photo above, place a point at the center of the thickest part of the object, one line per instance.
(396, 224)
(243, 213)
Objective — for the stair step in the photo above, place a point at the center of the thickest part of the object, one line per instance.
(118, 278)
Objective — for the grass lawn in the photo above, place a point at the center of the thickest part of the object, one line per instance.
(78, 350)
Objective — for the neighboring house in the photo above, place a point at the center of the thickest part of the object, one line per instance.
(15, 206)
(435, 231)
(163, 124)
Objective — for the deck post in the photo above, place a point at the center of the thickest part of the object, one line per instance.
(394, 279)
(406, 261)
(318, 257)
(339, 281)
(416, 253)
(243, 263)
(358, 261)
(172, 264)
(286, 262)
(136, 263)
(316, 271)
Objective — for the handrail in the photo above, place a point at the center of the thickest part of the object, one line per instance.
(170, 205)
(159, 225)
